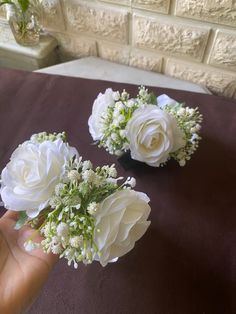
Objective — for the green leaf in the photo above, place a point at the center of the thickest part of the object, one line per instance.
(24, 4)
(153, 99)
(21, 220)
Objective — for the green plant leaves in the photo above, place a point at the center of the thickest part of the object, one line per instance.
(24, 4)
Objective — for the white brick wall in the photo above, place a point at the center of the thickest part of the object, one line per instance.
(164, 36)
(190, 39)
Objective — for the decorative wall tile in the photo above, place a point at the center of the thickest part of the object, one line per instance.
(152, 5)
(71, 47)
(216, 11)
(170, 37)
(113, 52)
(108, 23)
(124, 2)
(223, 53)
(219, 82)
(52, 15)
(145, 60)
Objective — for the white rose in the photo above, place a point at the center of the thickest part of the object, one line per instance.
(153, 134)
(29, 179)
(101, 103)
(164, 100)
(121, 220)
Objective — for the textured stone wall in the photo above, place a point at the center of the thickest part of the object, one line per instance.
(190, 39)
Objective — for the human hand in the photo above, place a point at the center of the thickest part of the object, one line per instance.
(22, 273)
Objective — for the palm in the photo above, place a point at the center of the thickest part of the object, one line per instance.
(22, 273)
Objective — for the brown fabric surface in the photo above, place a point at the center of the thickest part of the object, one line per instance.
(186, 262)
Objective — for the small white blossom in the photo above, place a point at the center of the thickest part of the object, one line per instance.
(92, 208)
(125, 146)
(114, 136)
(131, 181)
(56, 249)
(73, 175)
(76, 241)
(112, 172)
(55, 201)
(181, 111)
(88, 175)
(116, 95)
(123, 133)
(130, 103)
(87, 165)
(120, 106)
(59, 188)
(62, 229)
(118, 152)
(182, 162)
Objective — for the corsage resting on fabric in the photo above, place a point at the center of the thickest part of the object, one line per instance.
(83, 213)
(154, 129)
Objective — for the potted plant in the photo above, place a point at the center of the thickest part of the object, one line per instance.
(23, 20)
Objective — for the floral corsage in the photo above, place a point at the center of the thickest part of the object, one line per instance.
(83, 213)
(153, 129)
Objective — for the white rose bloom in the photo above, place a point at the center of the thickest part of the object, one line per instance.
(102, 102)
(164, 100)
(29, 179)
(153, 134)
(121, 220)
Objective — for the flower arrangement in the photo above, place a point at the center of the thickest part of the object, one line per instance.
(83, 213)
(154, 129)
(23, 16)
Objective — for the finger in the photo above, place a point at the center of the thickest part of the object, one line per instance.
(27, 233)
(11, 214)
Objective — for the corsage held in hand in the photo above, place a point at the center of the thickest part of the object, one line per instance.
(154, 129)
(83, 213)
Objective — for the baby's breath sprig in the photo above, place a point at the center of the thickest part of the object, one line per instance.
(189, 121)
(44, 136)
(69, 222)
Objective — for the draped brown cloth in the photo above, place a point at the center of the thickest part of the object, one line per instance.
(186, 261)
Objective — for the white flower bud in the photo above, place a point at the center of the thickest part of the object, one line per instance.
(56, 249)
(130, 103)
(182, 163)
(114, 136)
(62, 229)
(112, 171)
(87, 165)
(131, 181)
(120, 106)
(92, 208)
(123, 133)
(58, 188)
(88, 175)
(76, 241)
(116, 95)
(181, 111)
(73, 175)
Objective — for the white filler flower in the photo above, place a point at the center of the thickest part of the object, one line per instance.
(29, 179)
(153, 134)
(99, 108)
(120, 221)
